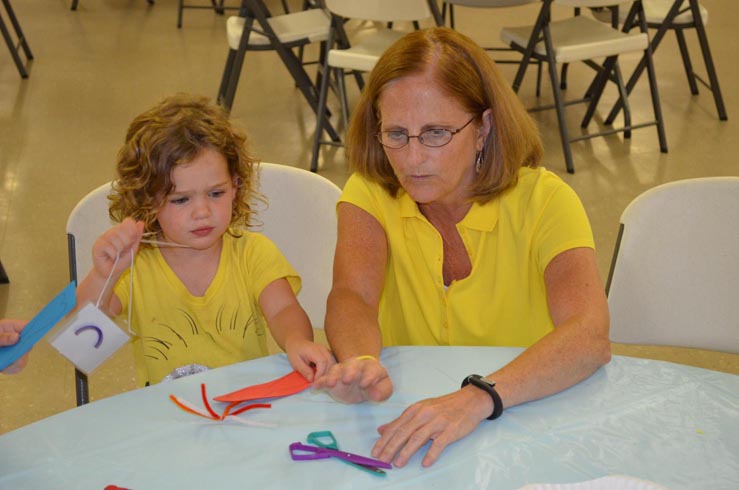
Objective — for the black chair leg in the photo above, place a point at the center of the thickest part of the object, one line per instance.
(624, 99)
(233, 81)
(341, 85)
(708, 59)
(12, 46)
(563, 77)
(558, 101)
(595, 91)
(83, 395)
(226, 78)
(234, 64)
(320, 115)
(4, 279)
(654, 92)
(180, 8)
(685, 54)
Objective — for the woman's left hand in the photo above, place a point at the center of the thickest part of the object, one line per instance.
(441, 420)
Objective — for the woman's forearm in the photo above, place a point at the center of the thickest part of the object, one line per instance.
(350, 326)
(568, 355)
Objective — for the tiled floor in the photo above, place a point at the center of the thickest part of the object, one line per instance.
(95, 69)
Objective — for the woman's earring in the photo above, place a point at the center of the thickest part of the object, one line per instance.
(478, 161)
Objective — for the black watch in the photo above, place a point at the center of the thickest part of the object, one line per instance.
(489, 387)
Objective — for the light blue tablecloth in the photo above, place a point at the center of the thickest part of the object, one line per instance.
(672, 424)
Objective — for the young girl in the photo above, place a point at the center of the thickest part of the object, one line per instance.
(204, 289)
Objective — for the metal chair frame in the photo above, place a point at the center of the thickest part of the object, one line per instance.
(254, 11)
(608, 71)
(21, 43)
(700, 29)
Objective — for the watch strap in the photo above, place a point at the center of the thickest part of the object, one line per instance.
(489, 387)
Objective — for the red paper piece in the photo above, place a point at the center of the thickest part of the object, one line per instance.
(284, 386)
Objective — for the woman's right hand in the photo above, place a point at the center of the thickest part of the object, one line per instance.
(356, 380)
(117, 241)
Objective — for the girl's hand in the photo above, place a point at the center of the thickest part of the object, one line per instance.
(117, 241)
(305, 355)
(356, 380)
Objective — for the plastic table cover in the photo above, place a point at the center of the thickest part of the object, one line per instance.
(671, 424)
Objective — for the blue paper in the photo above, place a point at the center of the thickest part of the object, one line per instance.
(39, 325)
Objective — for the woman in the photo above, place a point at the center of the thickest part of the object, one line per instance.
(449, 234)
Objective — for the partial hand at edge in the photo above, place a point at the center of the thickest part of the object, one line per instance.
(356, 381)
(10, 332)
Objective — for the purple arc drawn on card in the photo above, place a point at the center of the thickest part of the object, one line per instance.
(92, 327)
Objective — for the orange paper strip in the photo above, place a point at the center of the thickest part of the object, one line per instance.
(284, 386)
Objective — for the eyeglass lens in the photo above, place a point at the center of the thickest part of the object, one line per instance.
(434, 137)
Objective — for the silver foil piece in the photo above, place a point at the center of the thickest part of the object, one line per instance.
(183, 371)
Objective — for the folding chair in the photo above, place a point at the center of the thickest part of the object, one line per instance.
(256, 30)
(678, 16)
(12, 46)
(361, 53)
(675, 271)
(87, 221)
(583, 39)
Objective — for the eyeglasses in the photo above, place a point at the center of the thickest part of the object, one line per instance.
(433, 138)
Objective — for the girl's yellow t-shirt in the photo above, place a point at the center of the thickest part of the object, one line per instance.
(510, 241)
(224, 326)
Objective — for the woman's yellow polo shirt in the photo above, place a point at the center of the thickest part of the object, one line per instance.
(510, 241)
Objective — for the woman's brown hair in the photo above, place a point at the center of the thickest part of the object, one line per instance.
(468, 74)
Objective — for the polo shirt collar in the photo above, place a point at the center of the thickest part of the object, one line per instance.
(479, 217)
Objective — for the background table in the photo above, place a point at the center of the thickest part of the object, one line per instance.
(673, 424)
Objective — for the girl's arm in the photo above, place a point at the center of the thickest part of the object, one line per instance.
(352, 310)
(118, 241)
(292, 330)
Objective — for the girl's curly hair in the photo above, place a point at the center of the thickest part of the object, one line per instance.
(172, 133)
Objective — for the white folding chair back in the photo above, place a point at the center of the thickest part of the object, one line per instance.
(675, 276)
(367, 45)
(300, 218)
(656, 12)
(579, 38)
(311, 24)
(489, 3)
(380, 10)
(87, 221)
